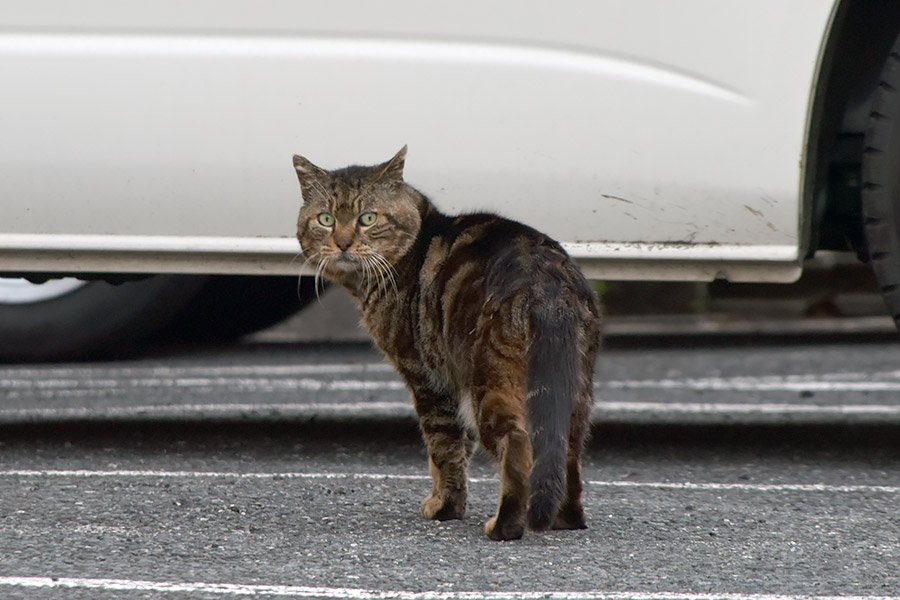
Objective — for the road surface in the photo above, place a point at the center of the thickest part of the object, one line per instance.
(742, 471)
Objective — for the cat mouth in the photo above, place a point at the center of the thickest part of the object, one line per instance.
(343, 262)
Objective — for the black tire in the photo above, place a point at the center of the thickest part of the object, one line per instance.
(230, 306)
(881, 183)
(97, 320)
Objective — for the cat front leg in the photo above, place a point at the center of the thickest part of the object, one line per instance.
(449, 448)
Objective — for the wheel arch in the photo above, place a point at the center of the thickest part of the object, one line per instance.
(859, 38)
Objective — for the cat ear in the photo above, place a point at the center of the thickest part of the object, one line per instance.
(305, 169)
(392, 170)
(308, 174)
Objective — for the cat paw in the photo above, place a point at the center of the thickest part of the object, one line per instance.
(442, 509)
(503, 530)
(570, 518)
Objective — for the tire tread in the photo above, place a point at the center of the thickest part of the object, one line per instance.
(881, 183)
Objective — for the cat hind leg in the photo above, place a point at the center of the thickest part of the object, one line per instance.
(571, 514)
(504, 435)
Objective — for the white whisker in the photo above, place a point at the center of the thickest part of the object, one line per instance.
(312, 256)
(320, 269)
(366, 272)
(378, 271)
(386, 271)
(296, 256)
(378, 280)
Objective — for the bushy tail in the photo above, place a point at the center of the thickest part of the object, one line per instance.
(552, 388)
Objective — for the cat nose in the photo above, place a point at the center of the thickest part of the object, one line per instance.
(343, 242)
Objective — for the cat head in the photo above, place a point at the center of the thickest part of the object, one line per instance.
(356, 221)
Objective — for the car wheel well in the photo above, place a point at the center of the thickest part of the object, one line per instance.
(857, 43)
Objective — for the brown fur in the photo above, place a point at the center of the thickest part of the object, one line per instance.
(490, 323)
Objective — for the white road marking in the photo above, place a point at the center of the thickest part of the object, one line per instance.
(340, 593)
(751, 487)
(404, 409)
(199, 370)
(110, 385)
(656, 485)
(67, 383)
(756, 384)
(236, 410)
(761, 408)
(274, 378)
(84, 473)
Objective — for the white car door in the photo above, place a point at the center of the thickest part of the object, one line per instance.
(656, 139)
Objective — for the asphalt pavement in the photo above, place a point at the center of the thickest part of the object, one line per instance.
(672, 381)
(743, 468)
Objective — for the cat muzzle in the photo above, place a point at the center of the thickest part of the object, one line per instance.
(344, 262)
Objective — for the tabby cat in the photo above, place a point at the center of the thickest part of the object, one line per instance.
(491, 324)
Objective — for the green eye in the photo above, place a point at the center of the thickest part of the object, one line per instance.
(326, 219)
(367, 218)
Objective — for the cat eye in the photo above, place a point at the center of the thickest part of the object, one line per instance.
(367, 218)
(326, 219)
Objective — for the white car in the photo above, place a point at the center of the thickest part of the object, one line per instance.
(657, 139)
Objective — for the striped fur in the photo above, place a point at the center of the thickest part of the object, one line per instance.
(472, 309)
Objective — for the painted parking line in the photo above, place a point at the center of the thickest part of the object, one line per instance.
(602, 411)
(331, 380)
(855, 382)
(218, 411)
(387, 409)
(250, 384)
(755, 408)
(596, 483)
(275, 378)
(341, 593)
(198, 370)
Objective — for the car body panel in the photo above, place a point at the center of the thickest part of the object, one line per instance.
(655, 139)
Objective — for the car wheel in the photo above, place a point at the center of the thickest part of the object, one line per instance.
(881, 183)
(230, 306)
(68, 319)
